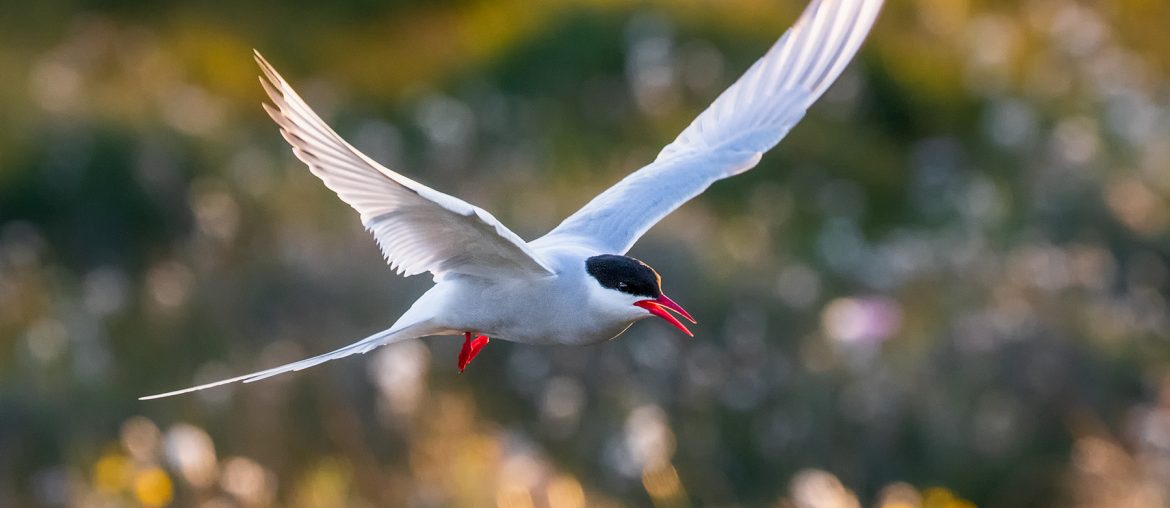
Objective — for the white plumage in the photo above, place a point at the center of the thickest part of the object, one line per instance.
(418, 228)
(729, 137)
(571, 286)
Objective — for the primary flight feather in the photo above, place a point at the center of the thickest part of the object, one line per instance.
(574, 285)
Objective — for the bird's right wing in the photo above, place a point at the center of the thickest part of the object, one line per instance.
(418, 228)
(731, 135)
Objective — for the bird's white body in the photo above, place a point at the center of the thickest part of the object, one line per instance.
(571, 286)
(567, 308)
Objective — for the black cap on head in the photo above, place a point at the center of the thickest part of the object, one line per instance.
(625, 274)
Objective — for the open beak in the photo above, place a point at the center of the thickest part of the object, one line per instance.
(657, 306)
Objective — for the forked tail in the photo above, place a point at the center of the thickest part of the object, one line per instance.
(381, 338)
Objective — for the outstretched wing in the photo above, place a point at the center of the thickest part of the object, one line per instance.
(360, 347)
(418, 228)
(731, 135)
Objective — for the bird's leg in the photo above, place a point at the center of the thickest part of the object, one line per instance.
(470, 349)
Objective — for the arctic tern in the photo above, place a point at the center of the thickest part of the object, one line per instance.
(574, 285)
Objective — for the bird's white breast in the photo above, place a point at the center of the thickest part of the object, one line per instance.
(568, 308)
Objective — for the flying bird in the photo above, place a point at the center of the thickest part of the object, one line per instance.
(574, 285)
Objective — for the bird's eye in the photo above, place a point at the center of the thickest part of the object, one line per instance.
(623, 285)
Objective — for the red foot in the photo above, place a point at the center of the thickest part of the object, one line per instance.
(470, 349)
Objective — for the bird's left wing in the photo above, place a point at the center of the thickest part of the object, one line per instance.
(731, 135)
(418, 228)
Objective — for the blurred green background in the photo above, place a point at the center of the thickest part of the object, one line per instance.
(946, 287)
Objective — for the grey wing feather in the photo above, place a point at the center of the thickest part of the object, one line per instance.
(731, 135)
(418, 228)
(362, 346)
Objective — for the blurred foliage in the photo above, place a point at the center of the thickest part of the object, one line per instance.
(946, 287)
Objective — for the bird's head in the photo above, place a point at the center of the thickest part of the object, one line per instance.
(627, 282)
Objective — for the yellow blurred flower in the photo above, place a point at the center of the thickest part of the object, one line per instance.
(152, 487)
(111, 473)
(939, 497)
(565, 492)
(663, 485)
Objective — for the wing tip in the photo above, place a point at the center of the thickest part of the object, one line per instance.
(198, 387)
(263, 62)
(172, 393)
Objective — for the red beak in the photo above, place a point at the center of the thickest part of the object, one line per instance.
(657, 305)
